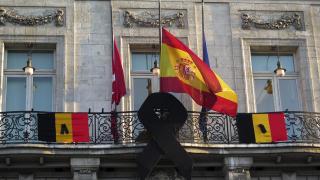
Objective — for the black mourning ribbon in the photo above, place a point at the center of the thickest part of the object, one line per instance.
(163, 129)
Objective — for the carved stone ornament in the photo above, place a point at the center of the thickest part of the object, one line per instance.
(85, 171)
(10, 16)
(165, 174)
(147, 19)
(284, 22)
(239, 170)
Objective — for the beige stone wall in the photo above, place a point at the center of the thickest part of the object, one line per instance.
(84, 49)
(83, 53)
(229, 44)
(63, 37)
(304, 56)
(93, 52)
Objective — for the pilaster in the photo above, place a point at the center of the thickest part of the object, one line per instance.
(85, 168)
(237, 168)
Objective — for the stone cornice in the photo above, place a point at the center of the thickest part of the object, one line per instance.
(104, 149)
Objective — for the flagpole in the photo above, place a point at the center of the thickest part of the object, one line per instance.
(113, 105)
(160, 42)
(202, 18)
(112, 54)
(160, 27)
(203, 115)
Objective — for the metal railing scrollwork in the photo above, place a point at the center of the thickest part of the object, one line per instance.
(125, 127)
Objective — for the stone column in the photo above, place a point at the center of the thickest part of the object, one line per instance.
(85, 168)
(237, 168)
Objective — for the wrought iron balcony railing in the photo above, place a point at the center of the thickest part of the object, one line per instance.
(21, 127)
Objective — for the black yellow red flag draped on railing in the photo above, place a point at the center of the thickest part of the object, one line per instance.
(63, 127)
(261, 127)
(182, 71)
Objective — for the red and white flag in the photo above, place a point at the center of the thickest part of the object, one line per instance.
(118, 84)
(118, 89)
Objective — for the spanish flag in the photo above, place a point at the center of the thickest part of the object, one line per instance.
(63, 127)
(261, 128)
(182, 71)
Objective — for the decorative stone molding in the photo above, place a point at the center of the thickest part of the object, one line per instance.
(238, 164)
(237, 167)
(11, 16)
(84, 168)
(238, 170)
(85, 165)
(148, 19)
(283, 22)
(85, 171)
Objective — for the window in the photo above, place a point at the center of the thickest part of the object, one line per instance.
(275, 93)
(143, 81)
(33, 92)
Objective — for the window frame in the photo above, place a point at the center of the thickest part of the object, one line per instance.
(284, 53)
(137, 76)
(276, 80)
(147, 49)
(38, 73)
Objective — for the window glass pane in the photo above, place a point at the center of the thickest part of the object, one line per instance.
(144, 61)
(289, 94)
(16, 94)
(40, 60)
(140, 86)
(259, 63)
(16, 60)
(287, 63)
(42, 93)
(268, 63)
(264, 95)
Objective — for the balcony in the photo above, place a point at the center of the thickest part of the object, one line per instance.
(21, 128)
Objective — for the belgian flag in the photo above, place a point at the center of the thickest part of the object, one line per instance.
(261, 128)
(63, 127)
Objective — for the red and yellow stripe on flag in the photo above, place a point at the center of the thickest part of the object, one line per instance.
(182, 71)
(261, 128)
(63, 127)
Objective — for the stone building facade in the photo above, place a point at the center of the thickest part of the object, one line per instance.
(76, 36)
